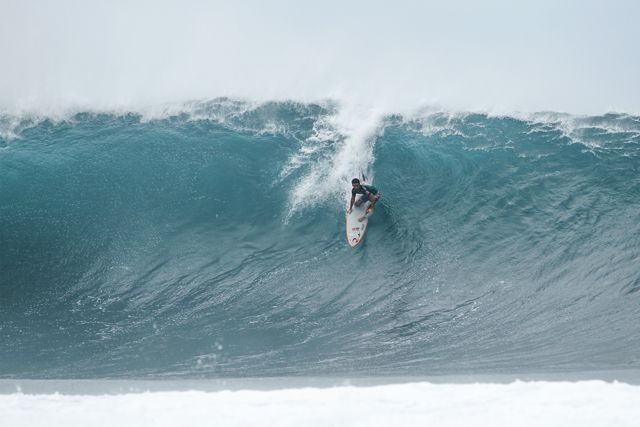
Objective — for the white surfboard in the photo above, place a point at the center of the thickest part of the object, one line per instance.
(357, 222)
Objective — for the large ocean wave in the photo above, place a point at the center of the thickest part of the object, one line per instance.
(206, 239)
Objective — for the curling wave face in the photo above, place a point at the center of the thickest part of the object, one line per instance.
(208, 240)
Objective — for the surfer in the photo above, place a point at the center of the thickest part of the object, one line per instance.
(369, 193)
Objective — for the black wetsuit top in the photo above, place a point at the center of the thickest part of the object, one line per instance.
(363, 189)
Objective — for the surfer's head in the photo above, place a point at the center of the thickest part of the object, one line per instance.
(355, 182)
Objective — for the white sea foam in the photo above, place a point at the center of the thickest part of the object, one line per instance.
(565, 404)
(350, 154)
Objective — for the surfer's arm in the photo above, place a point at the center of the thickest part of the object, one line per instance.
(353, 199)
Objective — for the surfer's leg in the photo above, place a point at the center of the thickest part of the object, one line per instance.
(361, 200)
(373, 198)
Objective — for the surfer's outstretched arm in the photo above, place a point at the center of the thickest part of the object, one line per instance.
(353, 199)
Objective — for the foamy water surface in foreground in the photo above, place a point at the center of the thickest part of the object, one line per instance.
(532, 403)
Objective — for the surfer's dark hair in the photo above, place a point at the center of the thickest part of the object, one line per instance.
(355, 181)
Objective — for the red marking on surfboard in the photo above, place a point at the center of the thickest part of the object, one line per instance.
(359, 234)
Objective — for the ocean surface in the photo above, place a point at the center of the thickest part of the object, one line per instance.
(206, 240)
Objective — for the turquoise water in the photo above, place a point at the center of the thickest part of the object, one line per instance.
(210, 242)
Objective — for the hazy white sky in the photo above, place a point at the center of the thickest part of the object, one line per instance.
(576, 56)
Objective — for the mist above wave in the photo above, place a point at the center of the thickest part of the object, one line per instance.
(494, 57)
